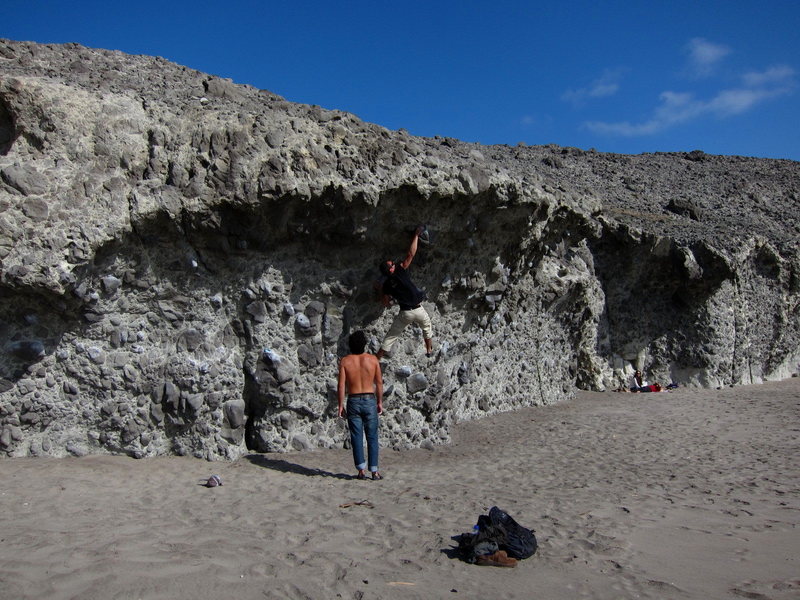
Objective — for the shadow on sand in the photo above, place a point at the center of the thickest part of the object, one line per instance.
(286, 467)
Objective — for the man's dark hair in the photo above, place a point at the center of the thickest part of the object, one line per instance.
(384, 268)
(358, 341)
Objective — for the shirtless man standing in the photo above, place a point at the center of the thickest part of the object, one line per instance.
(360, 376)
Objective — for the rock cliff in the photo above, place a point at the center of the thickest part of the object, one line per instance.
(182, 259)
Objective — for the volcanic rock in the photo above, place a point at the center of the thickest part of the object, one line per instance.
(182, 259)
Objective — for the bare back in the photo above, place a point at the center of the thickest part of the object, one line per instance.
(362, 373)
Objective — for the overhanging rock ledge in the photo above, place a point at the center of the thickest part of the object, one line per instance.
(182, 259)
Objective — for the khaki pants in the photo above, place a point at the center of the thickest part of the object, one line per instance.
(405, 317)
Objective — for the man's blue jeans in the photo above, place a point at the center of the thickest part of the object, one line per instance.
(362, 418)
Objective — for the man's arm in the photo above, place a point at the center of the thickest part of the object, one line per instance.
(412, 249)
(382, 296)
(378, 381)
(341, 390)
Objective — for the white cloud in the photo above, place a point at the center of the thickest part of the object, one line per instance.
(704, 56)
(756, 88)
(735, 102)
(602, 87)
(529, 121)
(779, 75)
(674, 108)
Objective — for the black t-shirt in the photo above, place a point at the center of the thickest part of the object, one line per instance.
(399, 286)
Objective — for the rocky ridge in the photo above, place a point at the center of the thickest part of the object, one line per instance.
(182, 259)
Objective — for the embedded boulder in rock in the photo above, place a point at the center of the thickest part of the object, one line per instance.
(182, 259)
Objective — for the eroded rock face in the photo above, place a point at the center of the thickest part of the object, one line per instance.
(183, 259)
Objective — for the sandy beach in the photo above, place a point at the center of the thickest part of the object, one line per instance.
(686, 494)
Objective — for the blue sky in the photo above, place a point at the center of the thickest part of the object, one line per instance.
(628, 77)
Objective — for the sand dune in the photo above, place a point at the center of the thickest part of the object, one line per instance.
(688, 494)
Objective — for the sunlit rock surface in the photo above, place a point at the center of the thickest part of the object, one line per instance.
(183, 259)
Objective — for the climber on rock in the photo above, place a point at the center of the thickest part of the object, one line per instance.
(398, 287)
